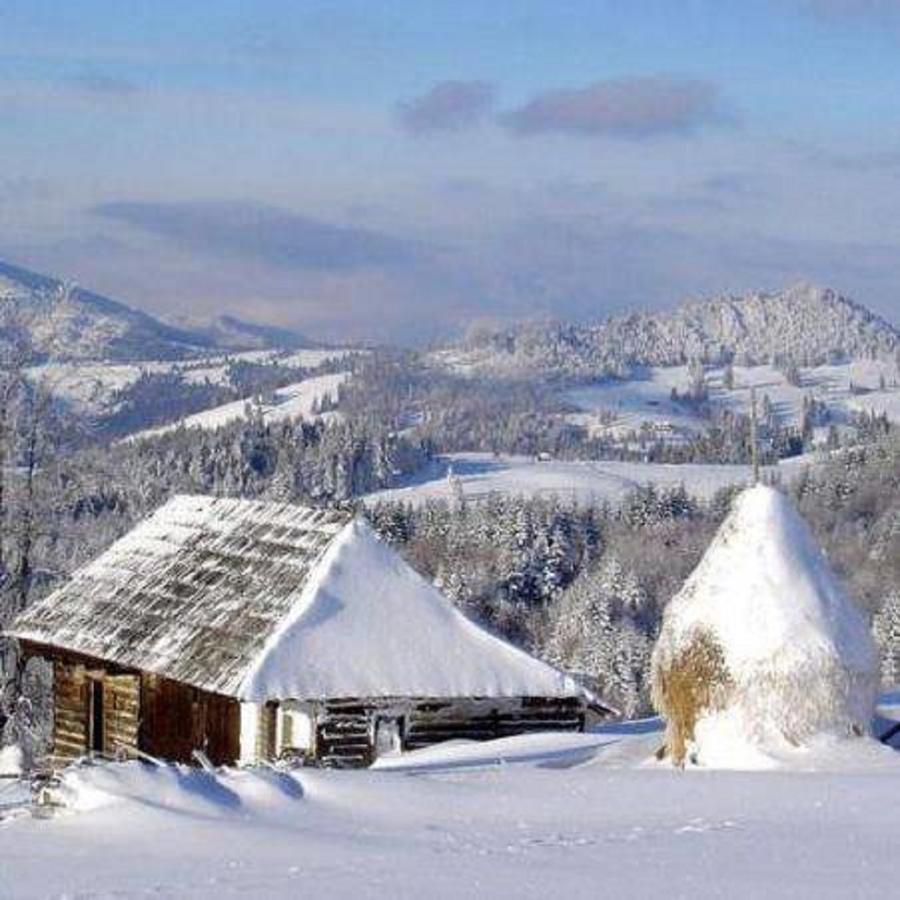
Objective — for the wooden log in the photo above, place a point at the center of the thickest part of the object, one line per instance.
(67, 749)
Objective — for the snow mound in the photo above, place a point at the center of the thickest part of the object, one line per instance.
(176, 788)
(548, 749)
(793, 656)
(11, 760)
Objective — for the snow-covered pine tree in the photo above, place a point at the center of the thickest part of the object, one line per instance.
(595, 633)
(886, 628)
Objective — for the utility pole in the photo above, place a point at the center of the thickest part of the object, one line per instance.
(754, 442)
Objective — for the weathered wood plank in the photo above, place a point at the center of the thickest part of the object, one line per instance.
(177, 719)
(345, 727)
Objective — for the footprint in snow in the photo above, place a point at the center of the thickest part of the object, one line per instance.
(701, 826)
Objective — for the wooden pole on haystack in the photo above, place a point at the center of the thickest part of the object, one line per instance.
(754, 442)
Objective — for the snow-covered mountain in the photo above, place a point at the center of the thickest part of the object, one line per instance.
(227, 332)
(74, 324)
(805, 324)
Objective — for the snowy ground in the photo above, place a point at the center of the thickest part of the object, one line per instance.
(647, 398)
(289, 402)
(480, 474)
(544, 816)
(89, 387)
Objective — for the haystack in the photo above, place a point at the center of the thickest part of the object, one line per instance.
(761, 648)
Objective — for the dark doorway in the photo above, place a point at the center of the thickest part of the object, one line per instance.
(388, 735)
(96, 687)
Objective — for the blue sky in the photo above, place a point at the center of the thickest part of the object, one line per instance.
(395, 170)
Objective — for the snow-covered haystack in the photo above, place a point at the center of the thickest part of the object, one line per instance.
(761, 649)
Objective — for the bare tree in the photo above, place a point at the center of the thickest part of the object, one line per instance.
(16, 354)
(26, 404)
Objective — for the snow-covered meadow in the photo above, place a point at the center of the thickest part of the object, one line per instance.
(616, 408)
(540, 816)
(476, 475)
(89, 387)
(289, 402)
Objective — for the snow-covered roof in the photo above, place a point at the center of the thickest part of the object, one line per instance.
(266, 601)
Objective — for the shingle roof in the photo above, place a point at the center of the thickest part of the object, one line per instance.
(269, 601)
(191, 593)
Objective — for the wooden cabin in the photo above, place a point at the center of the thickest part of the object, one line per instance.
(252, 631)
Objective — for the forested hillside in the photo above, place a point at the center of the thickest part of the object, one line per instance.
(805, 325)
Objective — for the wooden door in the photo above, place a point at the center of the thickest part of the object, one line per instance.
(70, 716)
(121, 714)
(178, 719)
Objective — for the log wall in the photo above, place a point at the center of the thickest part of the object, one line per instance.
(431, 722)
(73, 687)
(70, 718)
(343, 733)
(266, 731)
(170, 720)
(121, 713)
(345, 729)
(140, 712)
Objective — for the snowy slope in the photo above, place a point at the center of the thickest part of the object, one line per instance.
(616, 408)
(289, 402)
(368, 625)
(881, 403)
(479, 474)
(71, 323)
(88, 387)
(570, 816)
(76, 324)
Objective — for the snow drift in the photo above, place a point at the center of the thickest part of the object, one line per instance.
(761, 649)
(11, 761)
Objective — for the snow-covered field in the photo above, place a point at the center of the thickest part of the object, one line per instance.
(289, 402)
(647, 398)
(89, 387)
(535, 817)
(479, 474)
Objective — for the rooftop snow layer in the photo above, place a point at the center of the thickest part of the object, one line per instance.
(271, 601)
(368, 625)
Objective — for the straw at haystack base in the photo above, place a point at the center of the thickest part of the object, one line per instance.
(694, 682)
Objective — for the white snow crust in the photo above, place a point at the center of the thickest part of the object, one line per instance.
(289, 402)
(799, 652)
(478, 475)
(89, 387)
(368, 625)
(615, 408)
